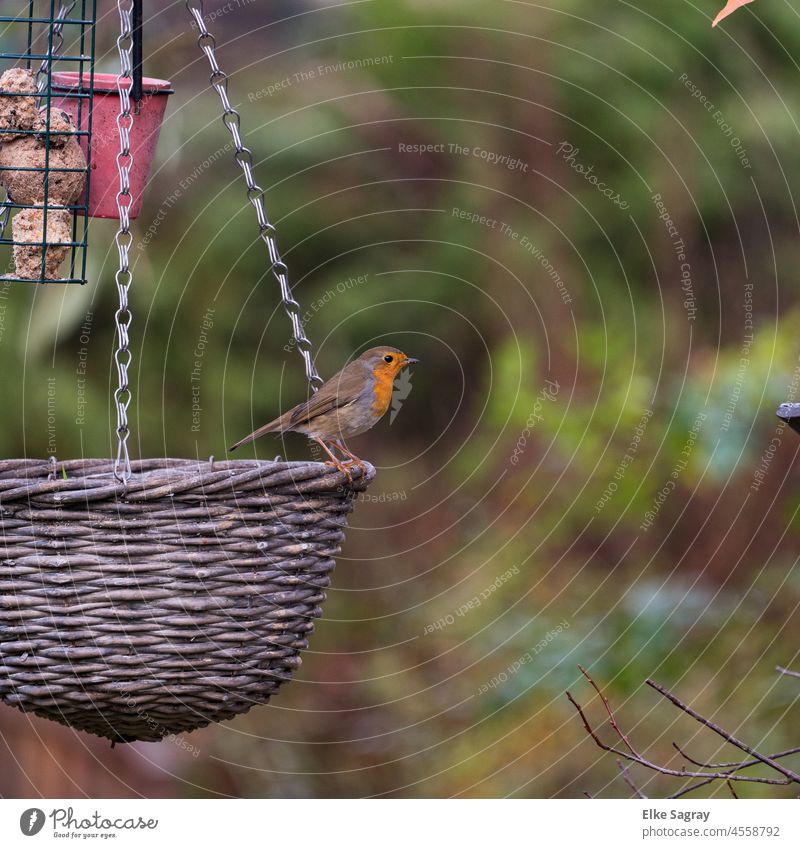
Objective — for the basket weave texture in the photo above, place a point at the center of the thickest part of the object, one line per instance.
(182, 600)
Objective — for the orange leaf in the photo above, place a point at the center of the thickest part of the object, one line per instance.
(730, 7)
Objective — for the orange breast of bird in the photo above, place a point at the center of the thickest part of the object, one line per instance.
(382, 386)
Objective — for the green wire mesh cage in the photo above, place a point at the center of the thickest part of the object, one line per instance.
(44, 141)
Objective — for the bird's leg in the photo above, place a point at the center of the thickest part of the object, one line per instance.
(334, 461)
(354, 460)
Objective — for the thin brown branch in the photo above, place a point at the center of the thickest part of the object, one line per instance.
(699, 785)
(694, 762)
(610, 712)
(729, 737)
(587, 727)
(735, 765)
(732, 790)
(637, 758)
(712, 779)
(626, 776)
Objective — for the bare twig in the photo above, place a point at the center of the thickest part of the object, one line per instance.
(736, 765)
(626, 776)
(729, 737)
(637, 758)
(710, 773)
(610, 712)
(687, 790)
(728, 776)
(694, 762)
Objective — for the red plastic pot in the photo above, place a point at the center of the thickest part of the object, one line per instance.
(148, 115)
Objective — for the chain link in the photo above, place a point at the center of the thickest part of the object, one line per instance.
(123, 276)
(244, 157)
(57, 43)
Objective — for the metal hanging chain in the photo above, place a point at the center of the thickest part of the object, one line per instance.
(244, 157)
(41, 82)
(58, 43)
(124, 277)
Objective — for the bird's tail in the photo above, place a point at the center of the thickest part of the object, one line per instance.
(273, 427)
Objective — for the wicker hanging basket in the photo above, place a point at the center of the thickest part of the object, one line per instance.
(182, 600)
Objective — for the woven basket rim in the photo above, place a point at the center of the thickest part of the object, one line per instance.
(93, 479)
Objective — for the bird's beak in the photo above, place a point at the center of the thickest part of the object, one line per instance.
(411, 361)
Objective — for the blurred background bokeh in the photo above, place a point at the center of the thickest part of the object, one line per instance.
(582, 218)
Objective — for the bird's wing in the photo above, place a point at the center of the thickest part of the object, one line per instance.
(341, 390)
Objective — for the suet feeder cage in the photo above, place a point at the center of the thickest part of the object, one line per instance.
(43, 167)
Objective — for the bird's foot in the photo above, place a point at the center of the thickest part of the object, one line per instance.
(339, 466)
(352, 460)
(355, 462)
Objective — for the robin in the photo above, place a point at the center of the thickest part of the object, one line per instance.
(350, 403)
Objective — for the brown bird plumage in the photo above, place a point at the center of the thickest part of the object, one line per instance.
(348, 404)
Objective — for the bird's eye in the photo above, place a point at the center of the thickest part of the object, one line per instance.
(388, 358)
